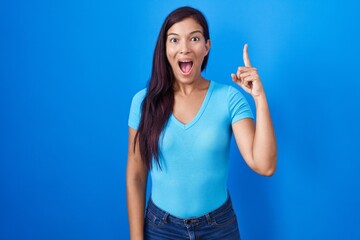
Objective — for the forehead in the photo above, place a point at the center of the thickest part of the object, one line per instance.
(185, 26)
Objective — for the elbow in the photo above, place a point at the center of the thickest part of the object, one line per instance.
(269, 170)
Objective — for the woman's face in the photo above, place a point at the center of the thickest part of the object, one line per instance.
(185, 49)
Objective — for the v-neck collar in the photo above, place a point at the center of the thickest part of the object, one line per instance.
(199, 113)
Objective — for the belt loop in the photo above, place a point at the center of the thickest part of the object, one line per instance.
(208, 218)
(165, 217)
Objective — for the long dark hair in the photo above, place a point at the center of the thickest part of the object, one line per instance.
(158, 103)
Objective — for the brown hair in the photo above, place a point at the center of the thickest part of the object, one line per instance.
(158, 103)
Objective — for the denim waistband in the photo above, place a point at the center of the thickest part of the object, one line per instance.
(167, 217)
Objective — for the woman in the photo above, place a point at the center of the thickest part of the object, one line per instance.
(180, 129)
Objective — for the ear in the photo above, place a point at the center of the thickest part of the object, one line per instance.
(207, 46)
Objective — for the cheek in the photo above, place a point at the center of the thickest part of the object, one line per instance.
(170, 52)
(170, 57)
(205, 50)
(201, 52)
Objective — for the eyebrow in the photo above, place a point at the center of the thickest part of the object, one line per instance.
(196, 31)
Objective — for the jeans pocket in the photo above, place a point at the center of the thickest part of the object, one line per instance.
(153, 220)
(225, 219)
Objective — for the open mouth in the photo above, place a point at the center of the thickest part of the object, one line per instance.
(185, 66)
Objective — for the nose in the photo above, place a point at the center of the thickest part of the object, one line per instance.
(184, 47)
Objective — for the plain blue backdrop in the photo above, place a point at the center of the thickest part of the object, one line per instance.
(68, 71)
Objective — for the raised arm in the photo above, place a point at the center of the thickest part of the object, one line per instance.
(136, 180)
(256, 143)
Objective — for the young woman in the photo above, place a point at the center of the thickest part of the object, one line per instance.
(180, 128)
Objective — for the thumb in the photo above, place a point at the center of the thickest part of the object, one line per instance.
(234, 78)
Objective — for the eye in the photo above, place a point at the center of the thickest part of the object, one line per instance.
(195, 39)
(173, 40)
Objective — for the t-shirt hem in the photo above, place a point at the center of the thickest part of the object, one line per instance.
(133, 126)
(236, 119)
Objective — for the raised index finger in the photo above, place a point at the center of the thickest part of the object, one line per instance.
(246, 56)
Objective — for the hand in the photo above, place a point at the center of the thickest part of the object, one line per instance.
(247, 77)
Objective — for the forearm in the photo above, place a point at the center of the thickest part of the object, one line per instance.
(264, 145)
(136, 194)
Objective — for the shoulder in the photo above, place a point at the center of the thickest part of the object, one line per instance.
(139, 96)
(141, 93)
(135, 109)
(137, 100)
(226, 89)
(219, 86)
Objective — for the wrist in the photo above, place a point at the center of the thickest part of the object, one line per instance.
(261, 103)
(259, 97)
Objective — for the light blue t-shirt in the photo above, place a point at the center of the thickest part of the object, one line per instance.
(194, 157)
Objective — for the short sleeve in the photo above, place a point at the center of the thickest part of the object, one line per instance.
(135, 109)
(239, 108)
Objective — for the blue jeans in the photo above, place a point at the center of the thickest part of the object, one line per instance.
(218, 224)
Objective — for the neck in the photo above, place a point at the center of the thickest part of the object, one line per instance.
(191, 87)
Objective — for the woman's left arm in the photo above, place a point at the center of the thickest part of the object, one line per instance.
(256, 143)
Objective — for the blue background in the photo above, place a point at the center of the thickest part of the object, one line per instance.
(68, 71)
